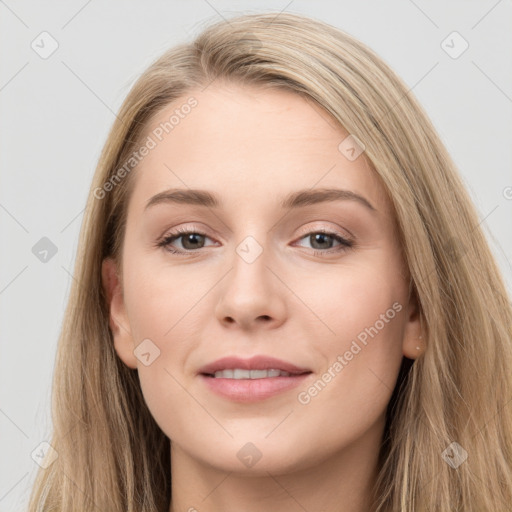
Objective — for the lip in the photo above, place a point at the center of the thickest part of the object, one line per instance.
(251, 390)
(253, 363)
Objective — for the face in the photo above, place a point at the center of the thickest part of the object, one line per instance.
(318, 284)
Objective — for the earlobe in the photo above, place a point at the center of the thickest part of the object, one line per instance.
(118, 319)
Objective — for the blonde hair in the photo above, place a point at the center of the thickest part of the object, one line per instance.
(112, 454)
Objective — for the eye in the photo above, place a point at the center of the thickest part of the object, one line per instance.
(322, 242)
(192, 239)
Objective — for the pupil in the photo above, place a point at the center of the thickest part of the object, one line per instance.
(191, 239)
(321, 237)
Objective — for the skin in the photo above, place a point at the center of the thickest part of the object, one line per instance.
(251, 147)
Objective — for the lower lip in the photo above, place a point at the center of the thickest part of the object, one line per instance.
(252, 390)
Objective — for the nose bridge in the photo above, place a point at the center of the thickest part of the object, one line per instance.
(250, 263)
(250, 292)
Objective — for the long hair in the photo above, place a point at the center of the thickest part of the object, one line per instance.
(111, 453)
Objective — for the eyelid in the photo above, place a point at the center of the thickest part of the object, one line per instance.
(322, 229)
(192, 228)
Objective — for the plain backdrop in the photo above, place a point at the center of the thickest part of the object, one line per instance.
(56, 113)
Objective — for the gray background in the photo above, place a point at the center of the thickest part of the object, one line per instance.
(56, 113)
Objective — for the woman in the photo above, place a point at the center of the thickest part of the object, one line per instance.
(217, 355)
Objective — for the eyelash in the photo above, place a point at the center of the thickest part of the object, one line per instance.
(180, 232)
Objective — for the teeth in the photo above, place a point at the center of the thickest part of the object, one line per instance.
(238, 373)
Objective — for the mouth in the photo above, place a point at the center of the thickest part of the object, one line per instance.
(251, 380)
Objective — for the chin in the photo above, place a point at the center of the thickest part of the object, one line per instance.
(253, 455)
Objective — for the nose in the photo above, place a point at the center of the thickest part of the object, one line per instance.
(252, 296)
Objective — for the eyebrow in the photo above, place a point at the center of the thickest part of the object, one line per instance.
(296, 199)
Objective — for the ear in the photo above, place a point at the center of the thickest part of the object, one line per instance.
(413, 344)
(118, 319)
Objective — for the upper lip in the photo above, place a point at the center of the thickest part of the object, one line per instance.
(253, 363)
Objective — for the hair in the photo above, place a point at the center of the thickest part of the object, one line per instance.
(111, 453)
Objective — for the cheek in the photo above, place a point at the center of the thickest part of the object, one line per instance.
(159, 301)
(162, 307)
(169, 400)
(349, 398)
(363, 317)
(356, 301)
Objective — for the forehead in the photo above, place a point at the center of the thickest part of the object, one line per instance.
(249, 144)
